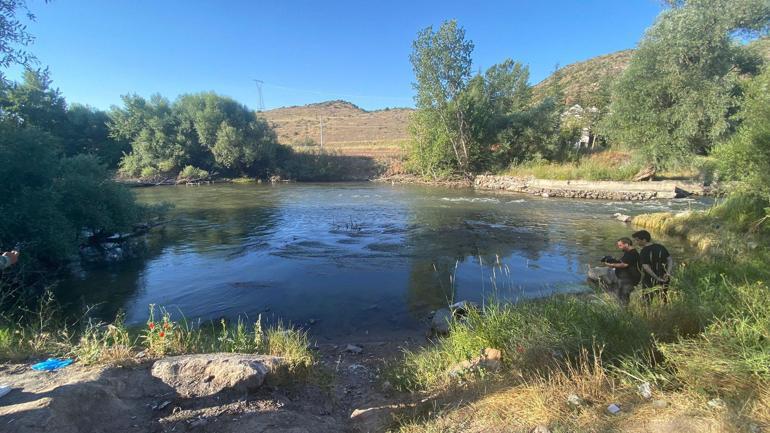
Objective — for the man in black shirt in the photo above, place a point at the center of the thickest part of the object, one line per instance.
(627, 269)
(657, 264)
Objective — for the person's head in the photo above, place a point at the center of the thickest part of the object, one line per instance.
(625, 244)
(642, 237)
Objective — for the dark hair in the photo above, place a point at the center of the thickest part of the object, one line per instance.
(626, 241)
(643, 235)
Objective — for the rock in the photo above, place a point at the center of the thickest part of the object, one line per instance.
(613, 409)
(622, 218)
(603, 276)
(540, 429)
(440, 322)
(645, 390)
(544, 195)
(574, 401)
(462, 308)
(373, 419)
(352, 348)
(716, 403)
(208, 374)
(387, 386)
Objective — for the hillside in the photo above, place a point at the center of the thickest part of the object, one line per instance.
(346, 128)
(585, 83)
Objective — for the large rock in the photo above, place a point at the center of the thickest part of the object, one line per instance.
(208, 374)
(440, 322)
(603, 276)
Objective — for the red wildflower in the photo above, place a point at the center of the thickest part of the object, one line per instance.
(151, 325)
(520, 349)
(161, 334)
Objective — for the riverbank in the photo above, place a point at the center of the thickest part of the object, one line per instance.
(694, 364)
(583, 189)
(134, 396)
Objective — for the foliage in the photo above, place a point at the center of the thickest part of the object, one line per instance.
(76, 129)
(470, 124)
(746, 157)
(48, 201)
(190, 173)
(602, 166)
(13, 35)
(681, 89)
(205, 130)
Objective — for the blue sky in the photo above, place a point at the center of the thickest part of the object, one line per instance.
(306, 51)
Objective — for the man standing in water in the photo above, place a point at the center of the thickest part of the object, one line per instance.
(627, 269)
(657, 263)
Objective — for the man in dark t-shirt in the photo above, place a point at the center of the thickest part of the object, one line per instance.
(656, 263)
(627, 269)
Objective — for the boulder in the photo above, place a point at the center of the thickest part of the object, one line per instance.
(440, 322)
(373, 419)
(603, 276)
(209, 374)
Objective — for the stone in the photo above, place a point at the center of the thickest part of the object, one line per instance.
(440, 322)
(574, 401)
(352, 348)
(645, 390)
(490, 360)
(209, 374)
(373, 419)
(613, 409)
(716, 403)
(622, 218)
(540, 429)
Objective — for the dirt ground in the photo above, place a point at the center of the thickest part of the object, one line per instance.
(129, 398)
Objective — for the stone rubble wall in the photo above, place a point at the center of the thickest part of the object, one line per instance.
(603, 190)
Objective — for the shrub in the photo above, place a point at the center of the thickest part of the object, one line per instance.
(190, 173)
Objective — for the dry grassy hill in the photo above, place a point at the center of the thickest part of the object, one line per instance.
(585, 83)
(347, 128)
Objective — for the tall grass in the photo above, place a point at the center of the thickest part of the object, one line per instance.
(115, 343)
(710, 339)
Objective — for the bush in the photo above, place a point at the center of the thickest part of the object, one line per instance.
(190, 173)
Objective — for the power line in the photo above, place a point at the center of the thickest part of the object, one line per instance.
(261, 106)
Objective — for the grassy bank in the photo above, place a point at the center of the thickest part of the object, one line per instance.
(93, 342)
(705, 354)
(603, 165)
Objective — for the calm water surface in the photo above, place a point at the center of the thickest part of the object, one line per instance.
(354, 259)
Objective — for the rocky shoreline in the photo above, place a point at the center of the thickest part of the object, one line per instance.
(602, 190)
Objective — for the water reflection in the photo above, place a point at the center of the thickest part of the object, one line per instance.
(354, 258)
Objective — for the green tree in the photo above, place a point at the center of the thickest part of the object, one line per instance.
(746, 156)
(681, 90)
(14, 37)
(152, 129)
(442, 66)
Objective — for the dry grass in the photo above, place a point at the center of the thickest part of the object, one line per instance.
(346, 128)
(543, 400)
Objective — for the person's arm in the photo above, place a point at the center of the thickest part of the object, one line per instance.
(619, 265)
(650, 272)
(669, 267)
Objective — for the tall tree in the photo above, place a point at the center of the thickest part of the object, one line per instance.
(442, 66)
(681, 90)
(14, 37)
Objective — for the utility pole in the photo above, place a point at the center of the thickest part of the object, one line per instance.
(321, 121)
(261, 105)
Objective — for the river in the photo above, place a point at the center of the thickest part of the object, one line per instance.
(354, 258)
